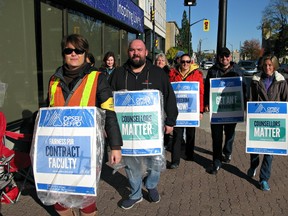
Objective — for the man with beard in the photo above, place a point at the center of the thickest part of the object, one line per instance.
(135, 75)
(224, 67)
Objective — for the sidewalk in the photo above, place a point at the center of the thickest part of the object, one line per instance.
(188, 190)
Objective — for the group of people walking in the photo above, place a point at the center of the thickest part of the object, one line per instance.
(138, 74)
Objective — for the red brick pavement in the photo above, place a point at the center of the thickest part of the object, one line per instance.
(188, 190)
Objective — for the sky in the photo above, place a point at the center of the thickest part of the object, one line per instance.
(243, 18)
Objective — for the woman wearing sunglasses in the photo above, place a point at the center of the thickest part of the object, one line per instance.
(186, 71)
(69, 83)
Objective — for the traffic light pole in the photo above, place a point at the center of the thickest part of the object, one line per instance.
(189, 45)
(197, 21)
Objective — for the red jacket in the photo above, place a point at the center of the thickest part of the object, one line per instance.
(192, 75)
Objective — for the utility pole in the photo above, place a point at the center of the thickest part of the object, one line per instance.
(222, 25)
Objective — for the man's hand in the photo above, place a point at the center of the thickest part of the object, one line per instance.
(201, 116)
(207, 109)
(168, 129)
(115, 157)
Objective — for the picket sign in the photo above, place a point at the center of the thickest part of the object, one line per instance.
(140, 116)
(65, 147)
(267, 124)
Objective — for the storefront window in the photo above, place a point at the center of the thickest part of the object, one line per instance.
(126, 38)
(51, 21)
(31, 55)
(112, 41)
(90, 28)
(18, 59)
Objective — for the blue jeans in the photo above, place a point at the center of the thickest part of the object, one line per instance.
(217, 139)
(265, 170)
(136, 168)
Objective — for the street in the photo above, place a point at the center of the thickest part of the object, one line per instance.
(188, 190)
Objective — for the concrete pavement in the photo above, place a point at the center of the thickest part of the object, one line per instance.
(188, 190)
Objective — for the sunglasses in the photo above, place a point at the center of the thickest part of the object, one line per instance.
(68, 51)
(224, 55)
(183, 61)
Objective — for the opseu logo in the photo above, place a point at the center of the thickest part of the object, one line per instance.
(226, 84)
(143, 101)
(272, 109)
(261, 109)
(72, 121)
(186, 87)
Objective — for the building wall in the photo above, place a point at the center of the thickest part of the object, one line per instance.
(31, 36)
(160, 22)
(171, 31)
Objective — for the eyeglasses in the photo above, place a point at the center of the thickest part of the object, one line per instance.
(224, 55)
(68, 51)
(187, 61)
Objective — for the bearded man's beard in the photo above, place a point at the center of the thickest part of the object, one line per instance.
(137, 63)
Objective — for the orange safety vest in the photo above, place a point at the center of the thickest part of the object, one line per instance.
(83, 95)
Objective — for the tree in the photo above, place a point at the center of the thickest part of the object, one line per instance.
(171, 53)
(274, 27)
(183, 38)
(251, 49)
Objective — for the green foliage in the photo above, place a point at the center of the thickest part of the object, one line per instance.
(170, 55)
(183, 38)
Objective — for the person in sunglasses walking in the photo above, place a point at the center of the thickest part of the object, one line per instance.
(67, 87)
(186, 71)
(224, 67)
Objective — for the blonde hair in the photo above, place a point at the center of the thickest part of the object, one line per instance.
(273, 59)
(161, 55)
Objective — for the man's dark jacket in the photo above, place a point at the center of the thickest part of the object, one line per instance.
(151, 77)
(216, 71)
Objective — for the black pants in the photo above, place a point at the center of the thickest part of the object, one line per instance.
(178, 133)
(217, 139)
(168, 141)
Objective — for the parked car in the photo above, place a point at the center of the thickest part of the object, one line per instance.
(249, 67)
(202, 64)
(207, 65)
(283, 68)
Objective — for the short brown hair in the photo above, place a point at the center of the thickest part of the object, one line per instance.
(78, 41)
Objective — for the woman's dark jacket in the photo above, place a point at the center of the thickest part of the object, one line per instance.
(278, 90)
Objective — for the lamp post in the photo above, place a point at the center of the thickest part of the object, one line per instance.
(189, 3)
(200, 47)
